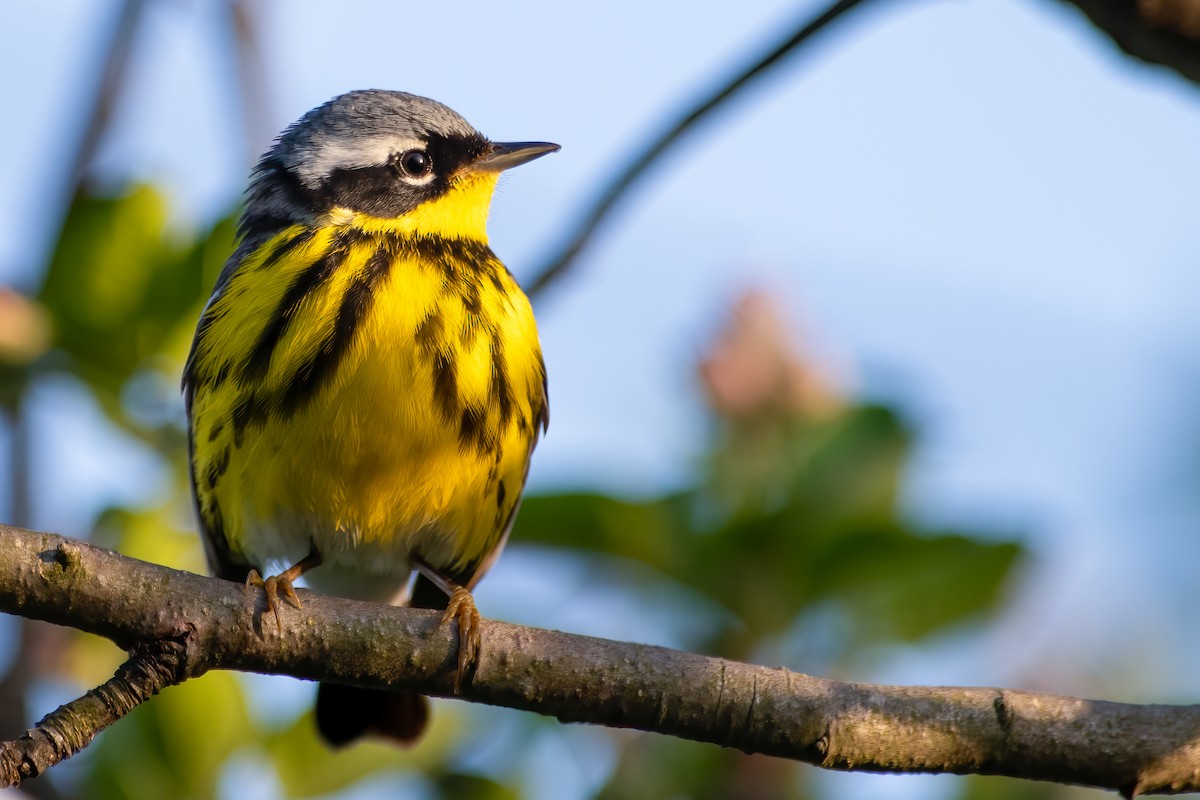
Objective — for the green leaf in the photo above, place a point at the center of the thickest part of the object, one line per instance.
(831, 533)
(910, 586)
(100, 278)
(855, 466)
(464, 786)
(650, 532)
(123, 294)
(989, 787)
(660, 766)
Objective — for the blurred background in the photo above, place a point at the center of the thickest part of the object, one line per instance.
(886, 371)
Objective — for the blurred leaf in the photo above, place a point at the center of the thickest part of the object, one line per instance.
(854, 466)
(829, 530)
(912, 586)
(162, 534)
(89, 660)
(25, 332)
(100, 280)
(308, 768)
(990, 787)
(174, 745)
(14, 380)
(648, 532)
(659, 766)
(24, 328)
(461, 786)
(121, 292)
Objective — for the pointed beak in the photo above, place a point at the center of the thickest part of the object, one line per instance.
(506, 155)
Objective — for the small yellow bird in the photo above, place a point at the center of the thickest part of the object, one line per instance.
(366, 385)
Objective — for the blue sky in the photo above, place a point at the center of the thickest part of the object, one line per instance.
(980, 210)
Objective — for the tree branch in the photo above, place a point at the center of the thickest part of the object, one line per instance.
(70, 728)
(180, 625)
(1165, 32)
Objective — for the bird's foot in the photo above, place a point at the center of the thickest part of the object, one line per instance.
(282, 582)
(462, 608)
(272, 587)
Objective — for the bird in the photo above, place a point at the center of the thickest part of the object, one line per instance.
(366, 385)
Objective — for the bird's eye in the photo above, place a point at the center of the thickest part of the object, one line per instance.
(414, 163)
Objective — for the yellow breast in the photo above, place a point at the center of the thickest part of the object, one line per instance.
(374, 391)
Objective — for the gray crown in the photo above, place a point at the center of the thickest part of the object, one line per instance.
(359, 129)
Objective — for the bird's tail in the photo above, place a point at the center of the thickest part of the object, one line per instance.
(347, 713)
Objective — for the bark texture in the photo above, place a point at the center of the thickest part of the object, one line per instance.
(179, 625)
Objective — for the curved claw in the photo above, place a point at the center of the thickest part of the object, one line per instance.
(271, 587)
(462, 607)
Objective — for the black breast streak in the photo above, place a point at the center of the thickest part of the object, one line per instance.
(480, 429)
(460, 260)
(429, 336)
(462, 264)
(255, 405)
(251, 409)
(469, 331)
(474, 433)
(196, 374)
(222, 560)
(500, 391)
(221, 375)
(469, 292)
(540, 401)
(254, 369)
(207, 377)
(356, 304)
(496, 276)
(203, 370)
(216, 468)
(284, 247)
(445, 385)
(429, 333)
(473, 319)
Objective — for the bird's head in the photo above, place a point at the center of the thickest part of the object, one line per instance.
(381, 159)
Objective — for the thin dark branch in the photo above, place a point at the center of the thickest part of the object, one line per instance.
(1165, 32)
(98, 100)
(250, 72)
(637, 168)
(103, 98)
(68, 729)
(1136, 749)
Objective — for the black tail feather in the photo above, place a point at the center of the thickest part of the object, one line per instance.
(346, 713)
